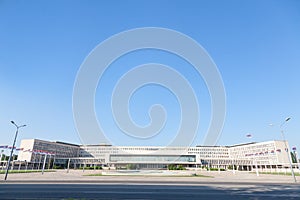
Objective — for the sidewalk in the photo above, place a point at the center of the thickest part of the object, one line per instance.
(215, 177)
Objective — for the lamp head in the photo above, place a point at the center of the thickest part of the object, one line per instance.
(287, 119)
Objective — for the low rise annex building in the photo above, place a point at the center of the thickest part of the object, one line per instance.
(249, 156)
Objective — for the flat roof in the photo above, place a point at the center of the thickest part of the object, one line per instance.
(65, 143)
(236, 145)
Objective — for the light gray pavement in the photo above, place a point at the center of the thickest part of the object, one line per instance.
(74, 185)
(150, 177)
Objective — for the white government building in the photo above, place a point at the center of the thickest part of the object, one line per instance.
(249, 156)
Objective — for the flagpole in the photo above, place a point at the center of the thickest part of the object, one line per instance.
(1, 159)
(297, 158)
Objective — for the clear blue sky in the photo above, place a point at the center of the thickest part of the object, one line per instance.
(255, 44)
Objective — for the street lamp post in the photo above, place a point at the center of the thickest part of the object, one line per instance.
(287, 149)
(12, 149)
(249, 135)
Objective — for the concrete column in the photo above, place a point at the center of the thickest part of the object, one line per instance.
(26, 165)
(68, 165)
(44, 164)
(40, 160)
(49, 162)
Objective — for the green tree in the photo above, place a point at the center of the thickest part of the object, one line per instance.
(5, 157)
(131, 166)
(171, 167)
(176, 167)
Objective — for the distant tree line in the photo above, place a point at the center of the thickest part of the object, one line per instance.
(6, 157)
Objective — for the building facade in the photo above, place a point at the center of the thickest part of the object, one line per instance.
(35, 150)
(269, 154)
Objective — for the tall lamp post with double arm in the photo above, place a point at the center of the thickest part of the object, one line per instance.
(286, 148)
(13, 146)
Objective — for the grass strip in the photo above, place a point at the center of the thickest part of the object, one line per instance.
(150, 175)
(24, 171)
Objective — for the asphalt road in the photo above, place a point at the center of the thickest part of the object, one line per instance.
(145, 191)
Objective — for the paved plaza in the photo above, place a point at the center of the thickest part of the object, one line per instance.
(77, 184)
(150, 176)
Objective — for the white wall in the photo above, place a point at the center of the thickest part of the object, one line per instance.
(26, 145)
